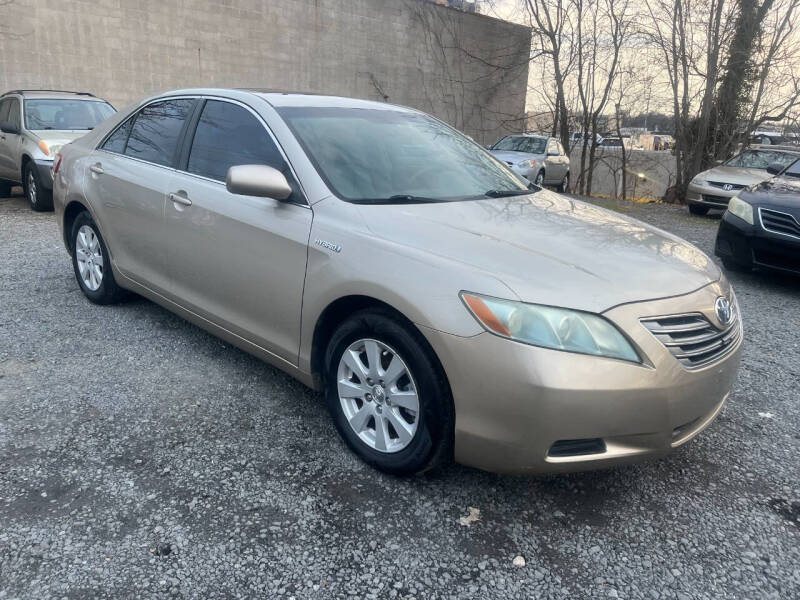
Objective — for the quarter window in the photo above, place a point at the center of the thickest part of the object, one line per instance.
(117, 141)
(229, 135)
(155, 132)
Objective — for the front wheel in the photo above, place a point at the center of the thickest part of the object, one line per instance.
(539, 181)
(698, 209)
(40, 198)
(91, 262)
(387, 394)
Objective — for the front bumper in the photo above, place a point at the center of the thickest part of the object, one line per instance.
(517, 404)
(45, 170)
(752, 246)
(708, 195)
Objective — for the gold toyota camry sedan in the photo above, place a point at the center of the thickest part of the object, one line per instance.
(446, 307)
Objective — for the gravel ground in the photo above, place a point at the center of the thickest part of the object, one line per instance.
(142, 457)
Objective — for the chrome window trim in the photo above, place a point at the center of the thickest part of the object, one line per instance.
(765, 228)
(202, 177)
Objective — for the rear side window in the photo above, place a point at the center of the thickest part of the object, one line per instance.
(4, 104)
(155, 132)
(117, 141)
(228, 135)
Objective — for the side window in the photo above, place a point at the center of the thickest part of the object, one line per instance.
(229, 135)
(4, 104)
(117, 141)
(560, 148)
(13, 112)
(155, 132)
(551, 147)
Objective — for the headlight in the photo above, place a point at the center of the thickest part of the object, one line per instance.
(49, 149)
(741, 209)
(528, 164)
(698, 181)
(550, 327)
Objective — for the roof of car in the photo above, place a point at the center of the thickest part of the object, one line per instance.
(777, 148)
(53, 94)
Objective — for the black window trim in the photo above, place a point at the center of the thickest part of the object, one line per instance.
(135, 115)
(189, 138)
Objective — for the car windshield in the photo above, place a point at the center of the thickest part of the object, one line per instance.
(522, 143)
(760, 159)
(376, 156)
(65, 115)
(793, 170)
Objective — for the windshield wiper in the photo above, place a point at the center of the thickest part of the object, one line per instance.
(402, 199)
(507, 193)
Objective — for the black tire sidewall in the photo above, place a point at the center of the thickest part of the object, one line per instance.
(539, 179)
(43, 198)
(564, 184)
(432, 441)
(109, 291)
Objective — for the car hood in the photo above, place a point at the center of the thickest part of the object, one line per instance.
(775, 192)
(55, 137)
(550, 249)
(736, 175)
(514, 157)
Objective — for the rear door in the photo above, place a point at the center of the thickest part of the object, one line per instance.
(127, 183)
(238, 261)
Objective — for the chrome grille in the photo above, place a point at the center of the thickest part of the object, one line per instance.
(692, 339)
(779, 222)
(722, 184)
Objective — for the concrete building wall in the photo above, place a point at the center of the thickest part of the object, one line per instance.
(470, 70)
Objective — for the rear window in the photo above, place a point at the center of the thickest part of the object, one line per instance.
(65, 115)
(155, 132)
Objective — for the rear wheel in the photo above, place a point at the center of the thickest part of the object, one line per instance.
(698, 209)
(91, 262)
(387, 394)
(40, 198)
(563, 187)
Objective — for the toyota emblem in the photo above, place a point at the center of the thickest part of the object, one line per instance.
(723, 309)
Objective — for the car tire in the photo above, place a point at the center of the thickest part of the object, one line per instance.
(39, 198)
(5, 189)
(698, 209)
(91, 262)
(563, 187)
(539, 180)
(358, 407)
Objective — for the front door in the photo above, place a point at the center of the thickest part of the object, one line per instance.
(238, 261)
(10, 142)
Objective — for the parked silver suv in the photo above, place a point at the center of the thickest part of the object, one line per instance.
(34, 124)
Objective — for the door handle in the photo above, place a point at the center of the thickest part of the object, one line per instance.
(178, 198)
(96, 169)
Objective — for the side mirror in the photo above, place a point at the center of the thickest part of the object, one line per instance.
(8, 127)
(258, 180)
(775, 169)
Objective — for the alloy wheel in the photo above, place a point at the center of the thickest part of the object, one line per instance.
(33, 192)
(378, 395)
(539, 179)
(90, 258)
